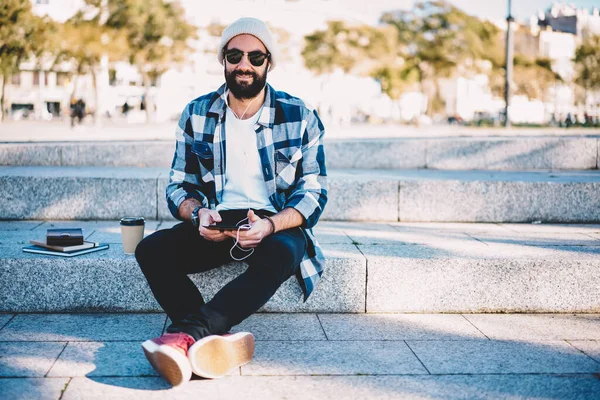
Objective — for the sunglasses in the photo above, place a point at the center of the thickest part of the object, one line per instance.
(257, 58)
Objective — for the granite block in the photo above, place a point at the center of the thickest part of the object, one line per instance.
(341, 288)
(82, 327)
(32, 388)
(76, 193)
(28, 359)
(398, 327)
(119, 154)
(361, 199)
(474, 201)
(574, 203)
(30, 154)
(496, 279)
(502, 357)
(282, 327)
(110, 281)
(522, 153)
(536, 327)
(574, 153)
(590, 347)
(332, 358)
(102, 359)
(104, 281)
(161, 197)
(376, 154)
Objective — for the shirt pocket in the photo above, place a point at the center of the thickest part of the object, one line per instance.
(286, 165)
(206, 159)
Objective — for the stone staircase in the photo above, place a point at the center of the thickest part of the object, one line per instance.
(416, 225)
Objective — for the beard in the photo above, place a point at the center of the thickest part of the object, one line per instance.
(244, 90)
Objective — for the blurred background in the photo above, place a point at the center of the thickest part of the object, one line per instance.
(376, 62)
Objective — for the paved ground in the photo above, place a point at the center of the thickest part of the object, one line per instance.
(313, 356)
(25, 131)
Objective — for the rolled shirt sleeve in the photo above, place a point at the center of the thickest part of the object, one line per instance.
(310, 196)
(183, 177)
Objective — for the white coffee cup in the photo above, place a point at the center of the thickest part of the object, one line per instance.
(132, 232)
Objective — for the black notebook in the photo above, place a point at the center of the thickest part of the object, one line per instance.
(41, 250)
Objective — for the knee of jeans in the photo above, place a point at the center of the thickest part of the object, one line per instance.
(145, 250)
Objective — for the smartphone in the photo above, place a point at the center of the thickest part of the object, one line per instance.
(225, 227)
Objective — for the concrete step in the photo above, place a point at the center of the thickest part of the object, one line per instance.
(445, 153)
(371, 267)
(354, 195)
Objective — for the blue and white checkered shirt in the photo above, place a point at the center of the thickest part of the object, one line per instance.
(289, 136)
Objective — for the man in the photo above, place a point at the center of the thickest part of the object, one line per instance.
(250, 157)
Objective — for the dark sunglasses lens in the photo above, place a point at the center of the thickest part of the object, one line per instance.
(234, 57)
(257, 59)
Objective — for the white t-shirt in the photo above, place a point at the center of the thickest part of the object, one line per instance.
(244, 181)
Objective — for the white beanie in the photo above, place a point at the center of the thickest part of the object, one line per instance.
(249, 26)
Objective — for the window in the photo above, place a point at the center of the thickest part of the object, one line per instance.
(36, 78)
(16, 79)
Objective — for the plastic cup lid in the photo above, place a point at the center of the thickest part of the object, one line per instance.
(132, 221)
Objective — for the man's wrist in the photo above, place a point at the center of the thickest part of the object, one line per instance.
(270, 221)
(195, 216)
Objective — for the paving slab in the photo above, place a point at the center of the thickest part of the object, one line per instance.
(522, 327)
(590, 347)
(552, 228)
(501, 357)
(4, 318)
(537, 238)
(135, 388)
(332, 358)
(410, 387)
(32, 388)
(470, 279)
(398, 327)
(19, 225)
(329, 233)
(83, 327)
(102, 359)
(297, 326)
(25, 359)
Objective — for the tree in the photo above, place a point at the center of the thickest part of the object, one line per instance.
(83, 41)
(436, 38)
(587, 64)
(357, 49)
(22, 35)
(157, 35)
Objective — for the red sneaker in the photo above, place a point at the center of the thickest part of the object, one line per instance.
(215, 355)
(168, 356)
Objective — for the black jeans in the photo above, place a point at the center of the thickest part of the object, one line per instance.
(167, 256)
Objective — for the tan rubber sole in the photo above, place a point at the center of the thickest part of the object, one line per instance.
(171, 365)
(215, 356)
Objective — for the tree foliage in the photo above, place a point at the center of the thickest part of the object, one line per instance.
(22, 35)
(587, 63)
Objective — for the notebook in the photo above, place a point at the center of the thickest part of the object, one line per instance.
(68, 249)
(42, 250)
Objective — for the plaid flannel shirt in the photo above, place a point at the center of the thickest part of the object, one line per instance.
(289, 136)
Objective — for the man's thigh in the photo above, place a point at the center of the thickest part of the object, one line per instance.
(183, 249)
(284, 249)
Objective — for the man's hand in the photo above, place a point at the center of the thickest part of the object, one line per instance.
(208, 217)
(253, 236)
